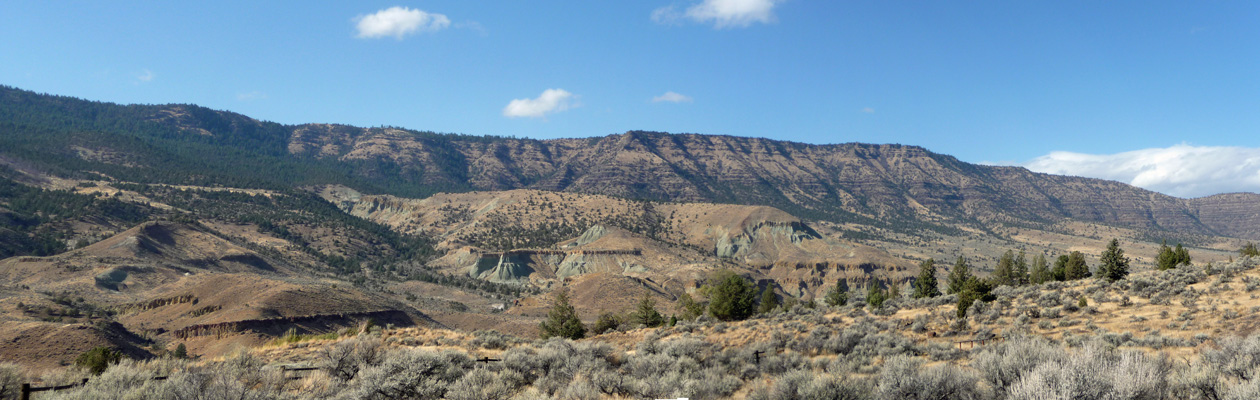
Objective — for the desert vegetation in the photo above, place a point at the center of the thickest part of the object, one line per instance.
(1156, 334)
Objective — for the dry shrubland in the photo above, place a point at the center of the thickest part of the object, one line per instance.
(1176, 334)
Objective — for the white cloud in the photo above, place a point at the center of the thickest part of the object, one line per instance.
(1182, 170)
(722, 13)
(868, 110)
(672, 97)
(399, 22)
(251, 96)
(145, 76)
(550, 101)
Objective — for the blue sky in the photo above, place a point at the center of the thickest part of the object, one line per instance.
(1040, 84)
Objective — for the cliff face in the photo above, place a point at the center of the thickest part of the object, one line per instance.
(892, 184)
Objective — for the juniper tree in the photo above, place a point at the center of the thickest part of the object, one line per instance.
(838, 295)
(875, 294)
(1181, 255)
(925, 285)
(1040, 271)
(769, 301)
(731, 297)
(975, 289)
(1114, 265)
(1021, 269)
(1004, 272)
(1076, 267)
(1059, 272)
(562, 320)
(958, 276)
(1166, 259)
(647, 314)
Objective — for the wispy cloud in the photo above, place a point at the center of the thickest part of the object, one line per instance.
(1181, 170)
(868, 110)
(251, 96)
(145, 76)
(672, 97)
(721, 13)
(550, 101)
(399, 22)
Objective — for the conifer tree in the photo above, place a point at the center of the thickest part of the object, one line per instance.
(1040, 271)
(731, 297)
(646, 314)
(1166, 259)
(1021, 269)
(1182, 256)
(1114, 265)
(925, 285)
(875, 294)
(562, 320)
(1059, 272)
(769, 301)
(975, 289)
(1004, 272)
(958, 275)
(838, 295)
(1076, 267)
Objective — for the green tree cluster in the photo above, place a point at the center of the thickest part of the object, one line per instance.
(838, 295)
(925, 286)
(646, 313)
(1040, 271)
(769, 301)
(562, 320)
(1169, 258)
(1249, 250)
(605, 322)
(957, 279)
(974, 289)
(1114, 265)
(98, 359)
(1011, 270)
(731, 297)
(876, 295)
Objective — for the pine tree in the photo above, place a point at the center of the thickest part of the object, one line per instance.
(1021, 269)
(1040, 271)
(975, 289)
(731, 297)
(958, 275)
(875, 294)
(562, 320)
(1076, 267)
(646, 314)
(181, 351)
(769, 301)
(1004, 272)
(838, 295)
(1059, 272)
(925, 285)
(1166, 259)
(1114, 265)
(1182, 256)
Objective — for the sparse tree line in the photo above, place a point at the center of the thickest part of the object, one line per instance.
(732, 297)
